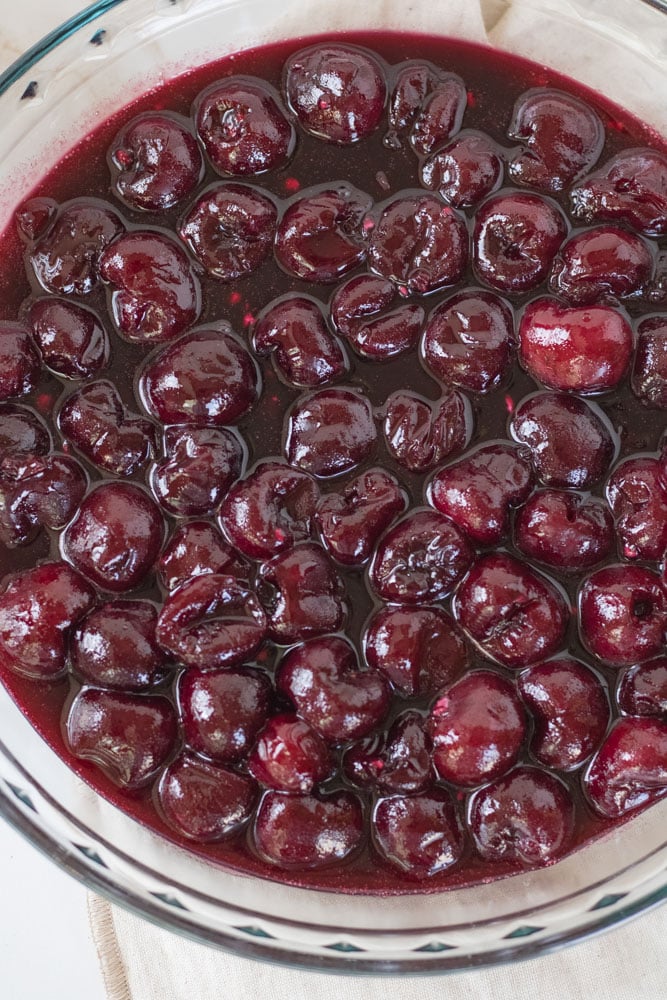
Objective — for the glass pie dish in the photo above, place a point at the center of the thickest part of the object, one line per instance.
(86, 70)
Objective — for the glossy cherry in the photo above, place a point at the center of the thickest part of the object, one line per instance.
(21, 430)
(204, 802)
(420, 434)
(601, 265)
(365, 311)
(623, 614)
(302, 594)
(71, 338)
(351, 521)
(289, 755)
(155, 161)
(197, 548)
(305, 353)
(418, 834)
(649, 371)
(565, 530)
(199, 466)
(398, 762)
(631, 187)
(36, 492)
(642, 689)
(630, 769)
(308, 830)
(19, 361)
(637, 496)
(222, 711)
(465, 170)
(115, 646)
(330, 432)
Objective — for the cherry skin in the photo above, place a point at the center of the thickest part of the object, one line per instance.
(36, 492)
(575, 350)
(19, 361)
(230, 230)
(420, 559)
(440, 115)
(419, 244)
(515, 239)
(199, 466)
(526, 816)
(601, 265)
(115, 646)
(155, 162)
(21, 430)
(71, 338)
(562, 138)
(564, 530)
(365, 312)
(419, 835)
(195, 549)
(478, 726)
(637, 497)
(321, 235)
(98, 424)
(115, 536)
(305, 354)
(128, 736)
(289, 755)
(649, 372)
(330, 432)
(631, 188)
(155, 293)
(642, 689)
(302, 593)
(323, 680)
(570, 445)
(516, 615)
(222, 711)
(204, 802)
(399, 762)
(38, 608)
(211, 621)
(623, 614)
(352, 521)
(205, 377)
(337, 92)
(308, 831)
(243, 126)
(419, 650)
(420, 434)
(465, 170)
(570, 711)
(629, 769)
(478, 491)
(469, 340)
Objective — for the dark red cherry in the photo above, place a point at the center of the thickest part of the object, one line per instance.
(352, 521)
(243, 126)
(154, 161)
(465, 170)
(654, 292)
(561, 139)
(515, 239)
(308, 831)
(399, 762)
(21, 430)
(643, 689)
(565, 530)
(302, 594)
(337, 92)
(115, 646)
(623, 614)
(420, 434)
(37, 609)
(478, 491)
(66, 256)
(440, 115)
(637, 495)
(323, 680)
(205, 377)
(71, 339)
(155, 293)
(477, 726)
(211, 621)
(199, 466)
(418, 649)
(413, 82)
(115, 537)
(330, 432)
(34, 216)
(527, 816)
(269, 510)
(128, 736)
(630, 768)
(204, 802)
(631, 187)
(37, 491)
(222, 711)
(649, 372)
(601, 265)
(421, 559)
(419, 243)
(321, 235)
(420, 835)
(570, 711)
(361, 311)
(516, 615)
(19, 361)
(569, 442)
(99, 425)
(289, 755)
(305, 353)
(195, 549)
(230, 230)
(576, 350)
(469, 340)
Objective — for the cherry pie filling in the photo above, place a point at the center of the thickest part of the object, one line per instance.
(333, 468)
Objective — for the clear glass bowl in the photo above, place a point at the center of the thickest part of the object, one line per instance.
(90, 67)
